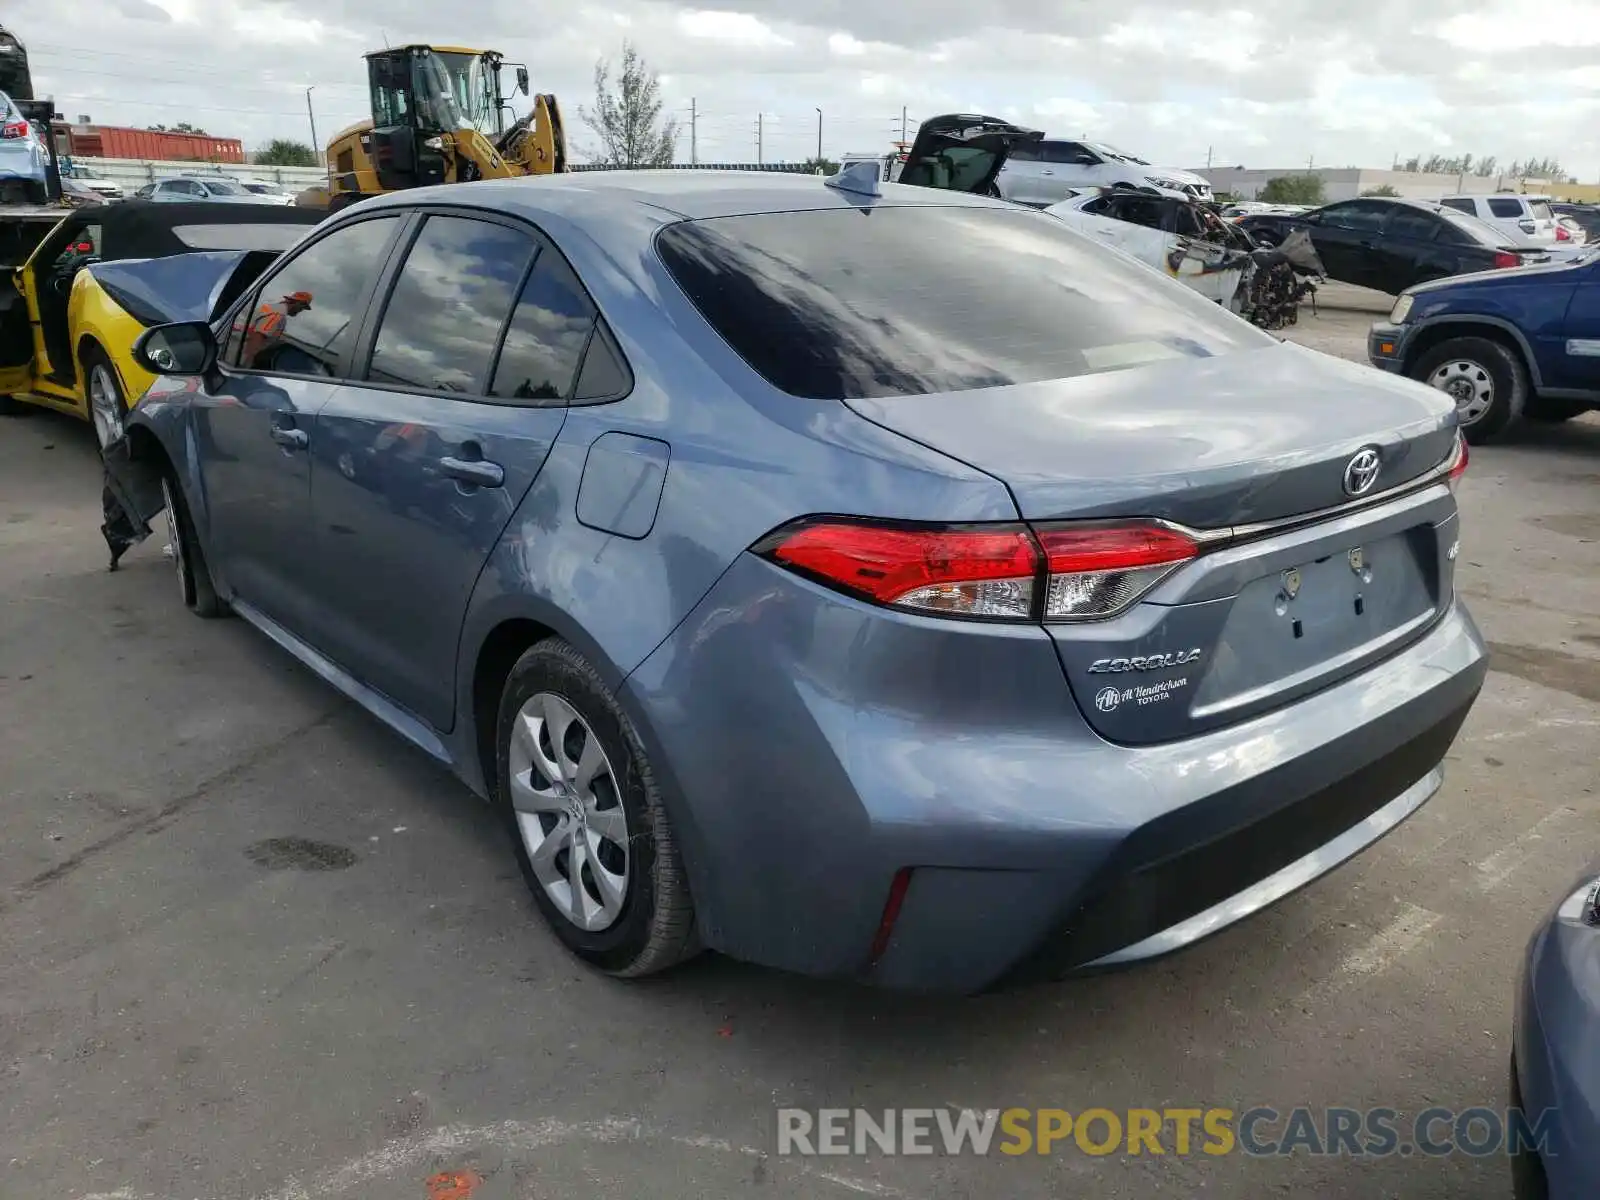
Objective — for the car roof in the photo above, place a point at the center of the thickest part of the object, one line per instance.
(590, 198)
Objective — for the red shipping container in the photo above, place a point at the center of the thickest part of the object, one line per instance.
(112, 141)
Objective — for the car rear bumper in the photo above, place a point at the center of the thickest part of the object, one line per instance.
(1554, 1059)
(811, 748)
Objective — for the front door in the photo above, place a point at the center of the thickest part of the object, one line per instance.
(418, 469)
(287, 349)
(1345, 236)
(1573, 361)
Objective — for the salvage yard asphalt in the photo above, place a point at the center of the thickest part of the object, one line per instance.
(255, 946)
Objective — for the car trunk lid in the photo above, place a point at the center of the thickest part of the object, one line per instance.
(1211, 443)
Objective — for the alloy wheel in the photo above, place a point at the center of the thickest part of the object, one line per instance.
(103, 407)
(1467, 383)
(569, 812)
(174, 541)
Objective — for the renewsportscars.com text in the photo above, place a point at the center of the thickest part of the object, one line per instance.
(1260, 1131)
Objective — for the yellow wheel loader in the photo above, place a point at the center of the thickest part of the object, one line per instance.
(439, 115)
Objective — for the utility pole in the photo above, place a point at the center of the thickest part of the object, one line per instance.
(1208, 158)
(902, 122)
(316, 147)
(694, 133)
(819, 137)
(759, 158)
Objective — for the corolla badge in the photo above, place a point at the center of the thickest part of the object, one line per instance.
(1144, 662)
(1361, 472)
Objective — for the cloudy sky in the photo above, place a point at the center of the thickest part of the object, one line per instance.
(1337, 82)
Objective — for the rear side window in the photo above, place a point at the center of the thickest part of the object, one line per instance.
(1413, 224)
(1540, 210)
(843, 303)
(1505, 208)
(449, 303)
(303, 320)
(547, 334)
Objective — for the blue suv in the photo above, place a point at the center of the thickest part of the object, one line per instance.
(1506, 345)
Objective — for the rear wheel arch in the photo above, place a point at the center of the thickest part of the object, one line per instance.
(497, 654)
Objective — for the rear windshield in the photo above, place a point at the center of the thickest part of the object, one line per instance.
(841, 304)
(239, 237)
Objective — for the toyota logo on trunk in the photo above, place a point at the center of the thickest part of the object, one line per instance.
(1361, 472)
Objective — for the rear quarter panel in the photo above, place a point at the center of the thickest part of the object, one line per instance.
(92, 316)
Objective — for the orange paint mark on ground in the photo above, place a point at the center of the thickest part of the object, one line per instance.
(453, 1185)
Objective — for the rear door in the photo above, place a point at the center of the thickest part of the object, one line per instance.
(470, 365)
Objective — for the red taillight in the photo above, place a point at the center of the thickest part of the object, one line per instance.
(83, 248)
(1562, 235)
(974, 571)
(1504, 258)
(1096, 570)
(14, 129)
(1067, 571)
(1456, 464)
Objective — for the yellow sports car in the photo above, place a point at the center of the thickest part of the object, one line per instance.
(70, 313)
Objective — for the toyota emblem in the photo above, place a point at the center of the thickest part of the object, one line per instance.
(1361, 472)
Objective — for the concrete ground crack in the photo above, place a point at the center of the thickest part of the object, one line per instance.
(152, 822)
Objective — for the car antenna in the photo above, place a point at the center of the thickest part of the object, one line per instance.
(862, 178)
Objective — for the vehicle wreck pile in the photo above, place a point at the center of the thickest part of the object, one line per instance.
(1277, 281)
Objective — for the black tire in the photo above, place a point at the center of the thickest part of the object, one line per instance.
(1477, 362)
(94, 360)
(655, 928)
(1543, 408)
(189, 558)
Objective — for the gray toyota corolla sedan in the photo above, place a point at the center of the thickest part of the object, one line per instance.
(882, 583)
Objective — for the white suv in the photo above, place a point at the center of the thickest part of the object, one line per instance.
(1528, 219)
(1047, 172)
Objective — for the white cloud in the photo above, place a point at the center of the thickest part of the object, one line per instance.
(736, 28)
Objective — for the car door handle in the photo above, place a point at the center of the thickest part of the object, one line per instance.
(473, 471)
(290, 439)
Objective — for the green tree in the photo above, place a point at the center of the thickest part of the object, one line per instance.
(1293, 189)
(1383, 189)
(286, 152)
(180, 127)
(821, 166)
(627, 119)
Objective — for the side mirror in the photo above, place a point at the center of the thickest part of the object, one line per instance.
(522, 80)
(186, 348)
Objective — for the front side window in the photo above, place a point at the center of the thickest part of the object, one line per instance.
(1068, 152)
(1459, 203)
(303, 320)
(546, 336)
(443, 319)
(1359, 215)
(843, 303)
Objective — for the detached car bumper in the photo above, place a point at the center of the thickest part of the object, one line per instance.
(1556, 1053)
(1386, 346)
(886, 797)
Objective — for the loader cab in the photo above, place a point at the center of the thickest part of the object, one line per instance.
(411, 110)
